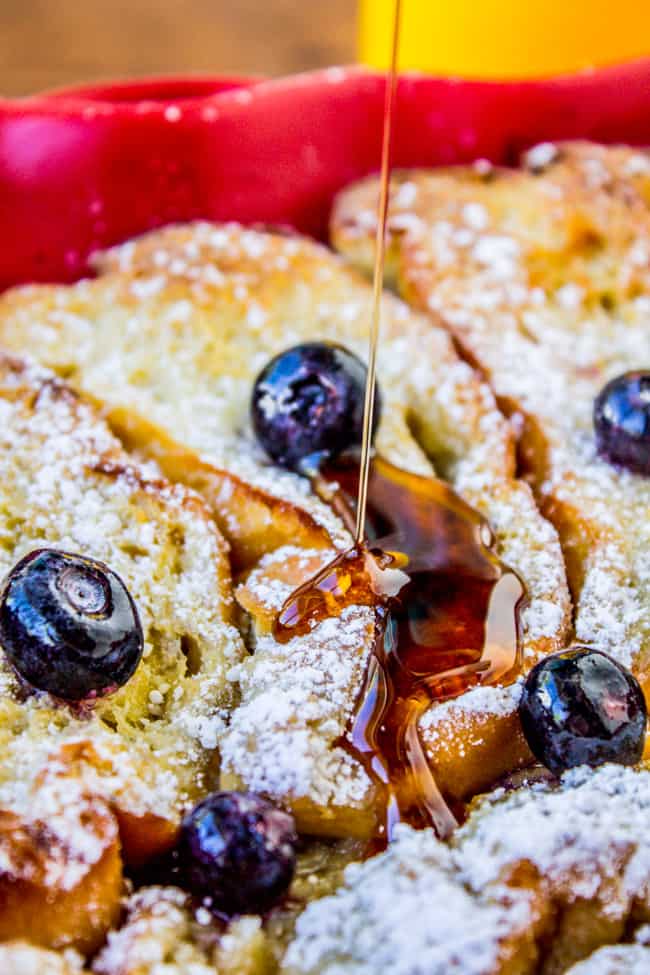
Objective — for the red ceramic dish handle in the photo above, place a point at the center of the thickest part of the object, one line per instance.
(88, 167)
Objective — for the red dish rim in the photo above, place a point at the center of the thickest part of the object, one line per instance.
(84, 167)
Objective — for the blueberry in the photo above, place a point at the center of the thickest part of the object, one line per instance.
(580, 707)
(238, 851)
(307, 405)
(68, 625)
(622, 421)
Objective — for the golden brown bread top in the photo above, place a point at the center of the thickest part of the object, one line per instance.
(60, 869)
(159, 927)
(284, 738)
(543, 276)
(536, 880)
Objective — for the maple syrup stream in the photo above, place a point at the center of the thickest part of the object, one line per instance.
(378, 277)
(446, 609)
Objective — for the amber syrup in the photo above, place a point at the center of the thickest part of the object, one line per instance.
(446, 609)
(447, 619)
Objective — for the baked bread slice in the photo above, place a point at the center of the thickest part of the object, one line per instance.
(169, 339)
(534, 881)
(542, 275)
(84, 790)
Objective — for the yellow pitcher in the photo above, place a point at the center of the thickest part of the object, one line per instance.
(506, 38)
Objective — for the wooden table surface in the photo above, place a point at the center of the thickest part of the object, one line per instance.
(49, 43)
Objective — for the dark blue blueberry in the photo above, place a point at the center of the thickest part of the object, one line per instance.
(69, 626)
(580, 707)
(622, 421)
(237, 851)
(307, 405)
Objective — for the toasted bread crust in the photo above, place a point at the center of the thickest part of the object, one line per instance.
(270, 520)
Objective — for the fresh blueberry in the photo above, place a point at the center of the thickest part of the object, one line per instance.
(622, 421)
(580, 707)
(68, 625)
(307, 405)
(237, 851)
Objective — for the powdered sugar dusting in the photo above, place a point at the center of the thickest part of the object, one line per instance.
(404, 912)
(143, 337)
(426, 907)
(616, 960)
(593, 828)
(498, 702)
(21, 958)
(159, 936)
(296, 702)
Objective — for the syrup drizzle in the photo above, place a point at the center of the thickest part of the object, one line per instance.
(378, 278)
(446, 619)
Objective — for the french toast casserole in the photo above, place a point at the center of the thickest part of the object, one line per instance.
(237, 739)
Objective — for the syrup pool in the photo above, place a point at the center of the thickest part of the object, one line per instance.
(447, 619)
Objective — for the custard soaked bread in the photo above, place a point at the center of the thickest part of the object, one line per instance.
(169, 339)
(531, 883)
(84, 787)
(542, 275)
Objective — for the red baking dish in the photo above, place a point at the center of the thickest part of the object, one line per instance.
(90, 166)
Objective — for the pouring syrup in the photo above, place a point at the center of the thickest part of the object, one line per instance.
(446, 609)
(446, 619)
(378, 277)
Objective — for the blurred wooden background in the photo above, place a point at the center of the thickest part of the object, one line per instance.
(48, 43)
